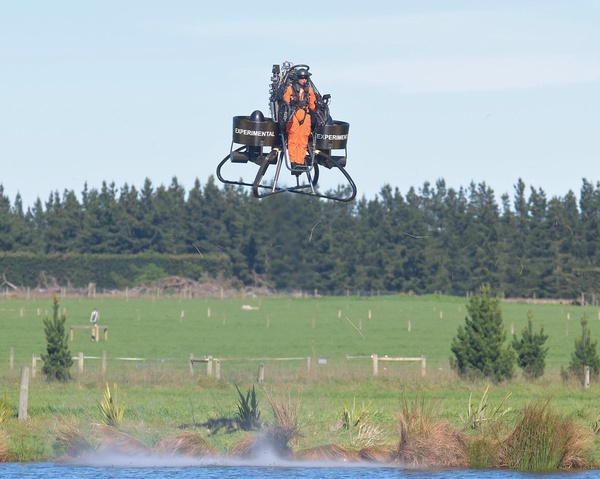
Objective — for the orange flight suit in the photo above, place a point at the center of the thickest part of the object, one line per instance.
(298, 128)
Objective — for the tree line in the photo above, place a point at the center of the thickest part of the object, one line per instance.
(433, 238)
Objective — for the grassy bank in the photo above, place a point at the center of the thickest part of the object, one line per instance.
(160, 408)
(162, 399)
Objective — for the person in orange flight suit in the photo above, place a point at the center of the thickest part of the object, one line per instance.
(301, 96)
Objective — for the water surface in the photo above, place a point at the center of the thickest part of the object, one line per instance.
(182, 468)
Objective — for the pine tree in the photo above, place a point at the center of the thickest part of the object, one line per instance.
(479, 346)
(531, 353)
(58, 360)
(585, 353)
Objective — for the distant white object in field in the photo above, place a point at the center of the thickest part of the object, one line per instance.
(247, 307)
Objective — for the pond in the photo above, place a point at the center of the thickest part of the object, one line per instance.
(181, 468)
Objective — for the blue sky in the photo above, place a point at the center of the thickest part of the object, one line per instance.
(120, 91)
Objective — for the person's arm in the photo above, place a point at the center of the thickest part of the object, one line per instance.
(312, 99)
(287, 96)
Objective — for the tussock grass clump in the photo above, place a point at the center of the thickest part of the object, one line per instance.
(379, 454)
(426, 441)
(483, 452)
(544, 440)
(286, 410)
(275, 438)
(187, 443)
(272, 439)
(3, 448)
(362, 426)
(369, 435)
(71, 442)
(244, 448)
(5, 410)
(328, 452)
(117, 442)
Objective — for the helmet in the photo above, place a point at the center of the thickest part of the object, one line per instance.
(302, 73)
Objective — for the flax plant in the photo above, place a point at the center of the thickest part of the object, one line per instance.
(353, 416)
(485, 420)
(483, 412)
(110, 408)
(248, 411)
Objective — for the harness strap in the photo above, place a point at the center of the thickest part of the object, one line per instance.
(301, 104)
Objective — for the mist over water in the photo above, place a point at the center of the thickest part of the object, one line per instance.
(265, 466)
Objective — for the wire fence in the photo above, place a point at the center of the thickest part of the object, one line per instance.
(228, 368)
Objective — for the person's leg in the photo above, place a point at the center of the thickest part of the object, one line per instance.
(298, 139)
(293, 142)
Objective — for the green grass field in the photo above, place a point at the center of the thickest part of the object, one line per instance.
(162, 395)
(169, 329)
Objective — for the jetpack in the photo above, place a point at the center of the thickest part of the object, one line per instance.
(263, 141)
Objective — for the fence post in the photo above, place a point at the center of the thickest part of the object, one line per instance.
(33, 366)
(375, 364)
(11, 358)
(423, 366)
(80, 360)
(308, 364)
(586, 383)
(70, 333)
(191, 363)
(261, 373)
(23, 394)
(103, 363)
(209, 361)
(217, 369)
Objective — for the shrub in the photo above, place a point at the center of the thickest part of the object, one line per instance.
(58, 360)
(531, 353)
(478, 347)
(585, 353)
